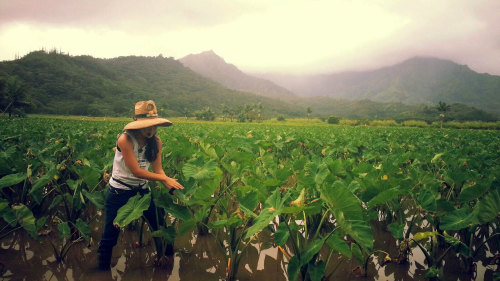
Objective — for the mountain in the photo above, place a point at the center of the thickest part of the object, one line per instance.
(82, 85)
(419, 80)
(212, 66)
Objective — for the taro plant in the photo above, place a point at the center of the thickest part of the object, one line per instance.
(475, 224)
(165, 233)
(341, 215)
(68, 232)
(19, 216)
(325, 211)
(202, 191)
(169, 214)
(237, 225)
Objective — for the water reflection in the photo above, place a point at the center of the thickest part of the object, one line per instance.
(200, 258)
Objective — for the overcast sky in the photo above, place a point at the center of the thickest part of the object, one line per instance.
(287, 36)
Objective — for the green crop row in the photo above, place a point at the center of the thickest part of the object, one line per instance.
(313, 187)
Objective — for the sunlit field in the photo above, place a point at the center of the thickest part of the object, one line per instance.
(298, 199)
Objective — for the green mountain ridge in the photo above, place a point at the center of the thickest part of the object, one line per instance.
(420, 80)
(83, 85)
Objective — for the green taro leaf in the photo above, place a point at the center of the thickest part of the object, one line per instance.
(12, 179)
(396, 230)
(165, 233)
(272, 208)
(282, 234)
(348, 211)
(293, 268)
(163, 200)
(316, 270)
(318, 171)
(385, 196)
(74, 184)
(428, 199)
(96, 197)
(423, 235)
(208, 188)
(178, 211)
(473, 192)
(26, 219)
(457, 245)
(443, 205)
(132, 210)
(247, 198)
(312, 249)
(40, 222)
(338, 244)
(457, 219)
(83, 228)
(56, 201)
(210, 151)
(262, 220)
(89, 175)
(200, 173)
(356, 252)
(489, 206)
(64, 230)
(436, 157)
(7, 213)
(218, 224)
(37, 188)
(186, 226)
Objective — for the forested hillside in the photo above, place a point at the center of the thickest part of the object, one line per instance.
(56, 83)
(82, 85)
(367, 109)
(415, 81)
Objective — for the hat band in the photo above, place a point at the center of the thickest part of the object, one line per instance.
(145, 115)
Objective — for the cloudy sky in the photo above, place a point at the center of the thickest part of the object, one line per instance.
(287, 36)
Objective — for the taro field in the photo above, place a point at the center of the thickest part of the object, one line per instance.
(261, 202)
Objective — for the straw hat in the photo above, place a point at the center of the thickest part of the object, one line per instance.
(146, 115)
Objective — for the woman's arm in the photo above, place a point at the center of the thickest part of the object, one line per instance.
(158, 169)
(127, 149)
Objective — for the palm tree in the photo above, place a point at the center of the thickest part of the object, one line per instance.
(13, 95)
(226, 112)
(309, 111)
(442, 107)
(259, 108)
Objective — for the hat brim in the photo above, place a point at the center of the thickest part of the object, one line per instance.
(147, 122)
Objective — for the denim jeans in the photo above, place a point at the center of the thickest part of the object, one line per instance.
(115, 199)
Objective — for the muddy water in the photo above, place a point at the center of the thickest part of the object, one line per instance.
(196, 258)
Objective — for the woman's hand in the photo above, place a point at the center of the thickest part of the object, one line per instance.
(171, 184)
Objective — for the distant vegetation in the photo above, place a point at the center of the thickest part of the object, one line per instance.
(366, 109)
(61, 84)
(419, 80)
(54, 83)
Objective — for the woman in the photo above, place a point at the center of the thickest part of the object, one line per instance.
(136, 149)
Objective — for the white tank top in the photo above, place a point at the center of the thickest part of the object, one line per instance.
(121, 173)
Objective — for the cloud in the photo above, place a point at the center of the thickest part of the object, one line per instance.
(261, 35)
(132, 15)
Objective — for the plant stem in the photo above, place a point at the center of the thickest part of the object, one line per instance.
(321, 223)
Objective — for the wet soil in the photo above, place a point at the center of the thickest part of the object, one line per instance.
(198, 258)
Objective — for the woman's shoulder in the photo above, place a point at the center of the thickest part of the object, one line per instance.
(123, 139)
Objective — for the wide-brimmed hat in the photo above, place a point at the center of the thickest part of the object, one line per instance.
(146, 115)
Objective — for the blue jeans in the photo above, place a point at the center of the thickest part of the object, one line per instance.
(115, 199)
